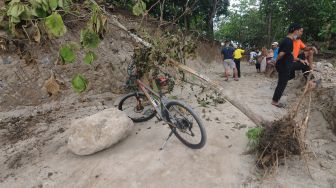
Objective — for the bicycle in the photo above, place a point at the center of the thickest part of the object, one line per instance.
(143, 105)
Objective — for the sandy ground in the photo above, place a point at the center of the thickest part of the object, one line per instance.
(42, 159)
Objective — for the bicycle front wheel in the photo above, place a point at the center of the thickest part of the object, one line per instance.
(188, 127)
(137, 107)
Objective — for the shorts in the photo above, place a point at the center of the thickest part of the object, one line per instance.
(229, 63)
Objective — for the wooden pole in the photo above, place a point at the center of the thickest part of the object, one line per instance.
(256, 119)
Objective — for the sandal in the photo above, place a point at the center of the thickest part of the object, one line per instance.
(279, 105)
(236, 79)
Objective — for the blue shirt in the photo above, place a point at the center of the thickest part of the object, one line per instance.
(275, 53)
(228, 52)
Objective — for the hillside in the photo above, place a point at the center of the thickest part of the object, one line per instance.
(34, 126)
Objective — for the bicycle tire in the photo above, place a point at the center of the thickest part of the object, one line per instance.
(136, 119)
(178, 132)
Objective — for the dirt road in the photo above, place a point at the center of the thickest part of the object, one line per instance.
(42, 159)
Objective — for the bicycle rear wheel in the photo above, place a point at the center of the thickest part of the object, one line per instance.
(188, 127)
(137, 107)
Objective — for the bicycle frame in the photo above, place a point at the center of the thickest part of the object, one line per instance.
(156, 103)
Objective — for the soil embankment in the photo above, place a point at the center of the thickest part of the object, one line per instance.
(34, 128)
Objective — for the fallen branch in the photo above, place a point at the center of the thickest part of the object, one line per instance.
(258, 120)
(118, 24)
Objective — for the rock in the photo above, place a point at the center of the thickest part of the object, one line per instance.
(99, 131)
(7, 60)
(328, 152)
(329, 65)
(331, 157)
(45, 60)
(325, 165)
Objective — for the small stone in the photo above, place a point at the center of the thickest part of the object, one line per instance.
(242, 126)
(328, 152)
(230, 146)
(50, 174)
(46, 60)
(7, 60)
(227, 137)
(217, 119)
(61, 130)
(325, 165)
(331, 157)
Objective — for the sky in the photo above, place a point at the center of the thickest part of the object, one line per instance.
(232, 2)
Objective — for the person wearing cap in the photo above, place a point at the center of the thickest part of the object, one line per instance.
(283, 63)
(271, 58)
(275, 50)
(237, 55)
(227, 54)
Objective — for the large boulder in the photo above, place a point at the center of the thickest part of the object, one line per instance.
(99, 131)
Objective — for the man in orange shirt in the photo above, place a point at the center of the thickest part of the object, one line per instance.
(302, 61)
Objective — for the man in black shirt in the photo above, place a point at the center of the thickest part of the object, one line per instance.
(283, 62)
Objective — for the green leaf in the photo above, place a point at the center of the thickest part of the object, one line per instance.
(139, 8)
(15, 19)
(65, 4)
(39, 12)
(60, 3)
(54, 24)
(89, 58)
(254, 133)
(16, 10)
(45, 5)
(27, 14)
(68, 54)
(53, 4)
(89, 39)
(79, 83)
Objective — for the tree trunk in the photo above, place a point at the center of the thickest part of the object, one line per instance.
(269, 28)
(211, 16)
(161, 11)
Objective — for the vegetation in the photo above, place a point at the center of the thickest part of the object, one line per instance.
(251, 22)
(191, 15)
(262, 22)
(254, 136)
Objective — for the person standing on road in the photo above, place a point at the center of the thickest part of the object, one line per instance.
(283, 62)
(275, 47)
(253, 56)
(237, 55)
(227, 55)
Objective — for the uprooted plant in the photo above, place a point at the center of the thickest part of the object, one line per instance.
(284, 137)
